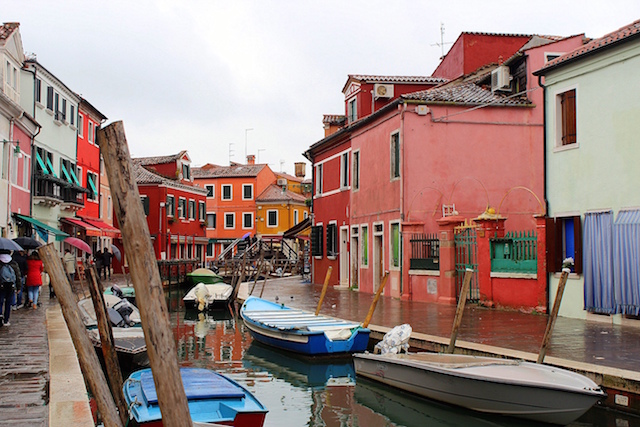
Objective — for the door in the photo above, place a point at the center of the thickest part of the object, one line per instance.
(344, 256)
(466, 245)
(355, 258)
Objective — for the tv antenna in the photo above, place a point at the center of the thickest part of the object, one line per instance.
(281, 165)
(442, 42)
(230, 151)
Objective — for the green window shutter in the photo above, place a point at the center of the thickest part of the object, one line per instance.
(73, 175)
(51, 168)
(64, 172)
(41, 163)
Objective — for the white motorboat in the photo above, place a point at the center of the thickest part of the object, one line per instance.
(492, 385)
(210, 296)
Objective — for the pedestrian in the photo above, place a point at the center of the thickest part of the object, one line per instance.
(20, 257)
(69, 265)
(34, 278)
(106, 263)
(97, 261)
(9, 276)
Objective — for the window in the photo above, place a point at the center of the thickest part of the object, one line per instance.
(247, 191)
(171, 205)
(319, 179)
(72, 115)
(186, 172)
(90, 132)
(395, 155)
(365, 246)
(26, 171)
(355, 177)
(210, 190)
(49, 98)
(394, 241)
(332, 239)
(201, 211)
(38, 94)
(247, 220)
(109, 209)
(56, 106)
(352, 110)
(229, 220)
(62, 113)
(305, 214)
(192, 209)
(227, 192)
(211, 220)
(344, 170)
(316, 240)
(209, 249)
(296, 217)
(272, 218)
(80, 125)
(92, 181)
(145, 204)
(564, 240)
(567, 128)
(182, 207)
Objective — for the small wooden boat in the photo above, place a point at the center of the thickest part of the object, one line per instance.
(500, 386)
(302, 331)
(203, 275)
(213, 398)
(126, 292)
(208, 296)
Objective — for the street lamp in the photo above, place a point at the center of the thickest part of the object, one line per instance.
(16, 151)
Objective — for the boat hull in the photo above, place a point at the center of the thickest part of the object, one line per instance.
(513, 388)
(300, 331)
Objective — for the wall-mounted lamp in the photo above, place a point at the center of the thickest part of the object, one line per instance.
(16, 151)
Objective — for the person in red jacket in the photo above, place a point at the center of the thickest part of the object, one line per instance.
(34, 278)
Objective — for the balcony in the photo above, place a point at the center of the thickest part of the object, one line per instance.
(72, 197)
(47, 190)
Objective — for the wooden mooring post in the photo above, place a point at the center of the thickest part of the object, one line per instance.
(91, 369)
(554, 315)
(324, 289)
(462, 301)
(143, 267)
(107, 345)
(367, 319)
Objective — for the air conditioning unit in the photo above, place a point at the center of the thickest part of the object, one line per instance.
(282, 181)
(382, 90)
(501, 79)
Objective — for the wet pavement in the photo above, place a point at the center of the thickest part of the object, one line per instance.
(24, 367)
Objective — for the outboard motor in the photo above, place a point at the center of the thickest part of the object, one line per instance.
(117, 291)
(124, 309)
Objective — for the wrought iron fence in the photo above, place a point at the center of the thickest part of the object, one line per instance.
(516, 252)
(425, 252)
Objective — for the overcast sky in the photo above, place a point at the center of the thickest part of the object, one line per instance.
(196, 75)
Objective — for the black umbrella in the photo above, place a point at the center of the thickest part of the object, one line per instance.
(9, 245)
(27, 242)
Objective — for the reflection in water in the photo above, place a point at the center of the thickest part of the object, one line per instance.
(299, 391)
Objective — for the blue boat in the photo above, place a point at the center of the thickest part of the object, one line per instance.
(301, 331)
(213, 398)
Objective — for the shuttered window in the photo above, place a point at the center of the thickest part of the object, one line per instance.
(569, 127)
(332, 240)
(564, 240)
(316, 240)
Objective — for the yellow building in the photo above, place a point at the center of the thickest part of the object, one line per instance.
(279, 209)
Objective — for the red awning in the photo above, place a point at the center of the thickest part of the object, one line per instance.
(107, 230)
(90, 230)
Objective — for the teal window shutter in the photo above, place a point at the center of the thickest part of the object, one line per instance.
(41, 163)
(51, 168)
(73, 175)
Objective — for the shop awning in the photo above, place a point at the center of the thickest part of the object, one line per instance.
(106, 229)
(297, 229)
(43, 229)
(90, 230)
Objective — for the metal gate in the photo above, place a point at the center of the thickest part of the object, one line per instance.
(466, 244)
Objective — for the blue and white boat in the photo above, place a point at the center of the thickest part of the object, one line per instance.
(302, 331)
(213, 398)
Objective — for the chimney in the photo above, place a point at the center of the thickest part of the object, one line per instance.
(300, 169)
(251, 159)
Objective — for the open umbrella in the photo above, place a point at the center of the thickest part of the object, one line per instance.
(116, 252)
(77, 243)
(27, 242)
(9, 245)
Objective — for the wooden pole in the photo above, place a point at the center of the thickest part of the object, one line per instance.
(460, 309)
(106, 340)
(553, 316)
(258, 271)
(86, 352)
(324, 288)
(367, 319)
(145, 276)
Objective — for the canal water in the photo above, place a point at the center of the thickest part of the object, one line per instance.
(304, 392)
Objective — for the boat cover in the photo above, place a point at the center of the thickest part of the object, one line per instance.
(198, 384)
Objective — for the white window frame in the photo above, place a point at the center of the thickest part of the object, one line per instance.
(391, 266)
(364, 249)
(277, 219)
(355, 170)
(202, 207)
(109, 208)
(296, 217)
(230, 215)
(180, 210)
(222, 187)
(26, 171)
(90, 131)
(557, 115)
(318, 175)
(352, 109)
(80, 125)
(344, 170)
(392, 156)
(192, 212)
(215, 219)
(175, 207)
(244, 214)
(243, 188)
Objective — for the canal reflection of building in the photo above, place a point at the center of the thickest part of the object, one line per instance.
(209, 336)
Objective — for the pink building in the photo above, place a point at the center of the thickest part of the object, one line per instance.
(429, 160)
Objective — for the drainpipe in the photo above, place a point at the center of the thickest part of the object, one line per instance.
(404, 110)
(544, 165)
(33, 139)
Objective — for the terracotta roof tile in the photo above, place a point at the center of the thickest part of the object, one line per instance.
(467, 94)
(7, 28)
(228, 171)
(158, 160)
(397, 79)
(274, 193)
(613, 38)
(145, 176)
(337, 119)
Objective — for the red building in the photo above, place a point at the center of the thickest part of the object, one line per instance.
(174, 205)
